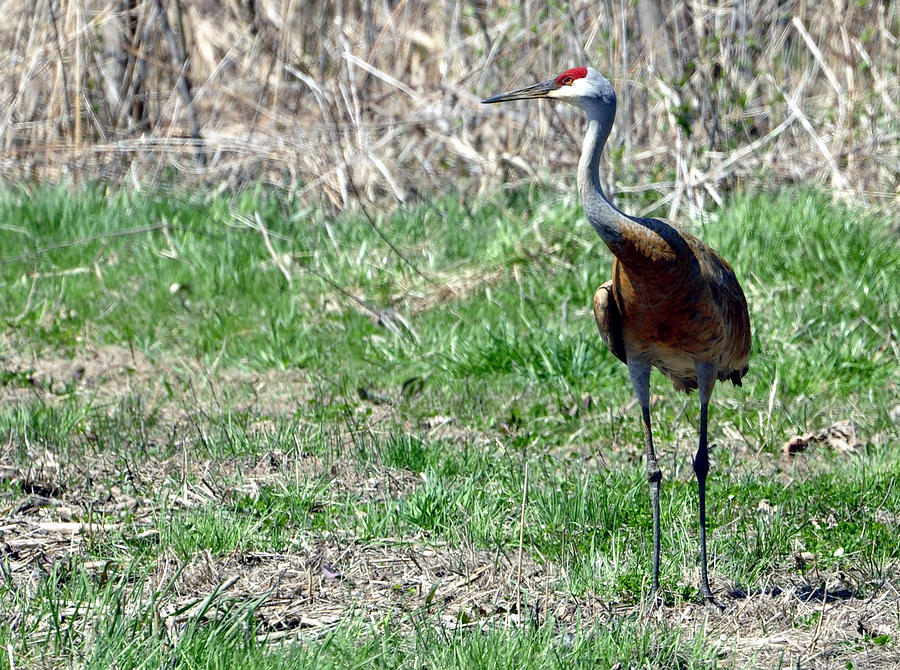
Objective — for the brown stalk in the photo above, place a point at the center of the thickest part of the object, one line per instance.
(696, 84)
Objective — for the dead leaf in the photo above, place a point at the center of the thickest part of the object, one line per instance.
(841, 437)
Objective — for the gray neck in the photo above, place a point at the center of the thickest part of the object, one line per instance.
(610, 223)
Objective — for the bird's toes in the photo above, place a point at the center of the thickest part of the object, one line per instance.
(653, 601)
(710, 599)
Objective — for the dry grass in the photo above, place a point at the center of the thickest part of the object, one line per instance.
(380, 101)
(307, 593)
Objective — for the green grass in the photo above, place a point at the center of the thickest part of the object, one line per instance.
(487, 323)
(124, 634)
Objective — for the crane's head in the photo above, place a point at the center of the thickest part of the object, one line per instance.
(582, 86)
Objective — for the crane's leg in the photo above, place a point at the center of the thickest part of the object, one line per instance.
(640, 379)
(706, 378)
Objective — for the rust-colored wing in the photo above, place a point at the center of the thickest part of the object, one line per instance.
(674, 302)
(728, 297)
(609, 320)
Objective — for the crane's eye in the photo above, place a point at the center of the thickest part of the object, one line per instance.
(567, 80)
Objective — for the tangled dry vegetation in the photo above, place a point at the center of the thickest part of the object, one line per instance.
(379, 100)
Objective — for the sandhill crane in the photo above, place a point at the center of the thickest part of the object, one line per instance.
(672, 303)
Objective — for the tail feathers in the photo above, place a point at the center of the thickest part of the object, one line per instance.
(736, 375)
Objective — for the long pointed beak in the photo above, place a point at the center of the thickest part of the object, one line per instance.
(535, 91)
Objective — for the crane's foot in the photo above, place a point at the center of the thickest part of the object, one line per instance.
(710, 599)
(653, 601)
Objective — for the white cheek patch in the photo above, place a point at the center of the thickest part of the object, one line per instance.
(563, 92)
(579, 87)
(576, 89)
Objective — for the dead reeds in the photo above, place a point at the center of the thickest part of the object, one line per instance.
(379, 100)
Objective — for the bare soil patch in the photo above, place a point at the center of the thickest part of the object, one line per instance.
(110, 372)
